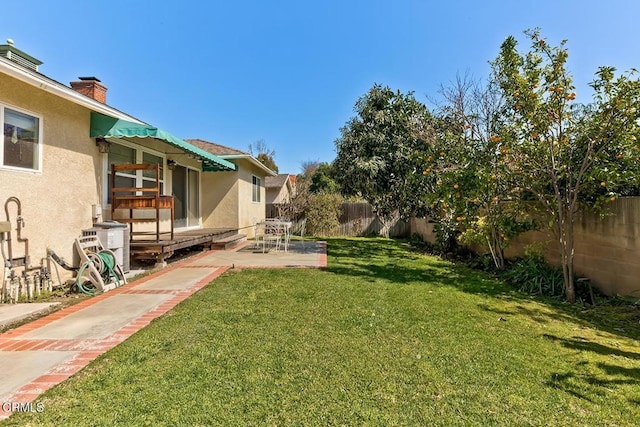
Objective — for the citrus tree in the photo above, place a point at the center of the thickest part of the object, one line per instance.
(566, 155)
(473, 192)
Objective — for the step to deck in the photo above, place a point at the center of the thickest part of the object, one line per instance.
(228, 242)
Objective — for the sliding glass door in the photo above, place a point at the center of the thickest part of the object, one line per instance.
(186, 194)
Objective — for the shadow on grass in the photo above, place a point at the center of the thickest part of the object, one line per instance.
(581, 344)
(570, 383)
(396, 262)
(584, 381)
(393, 261)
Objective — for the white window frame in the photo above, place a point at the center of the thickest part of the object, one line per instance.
(256, 182)
(40, 144)
(139, 150)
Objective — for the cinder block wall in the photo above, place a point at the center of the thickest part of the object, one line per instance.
(607, 248)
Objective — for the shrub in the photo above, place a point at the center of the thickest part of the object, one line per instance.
(534, 276)
(482, 262)
(322, 213)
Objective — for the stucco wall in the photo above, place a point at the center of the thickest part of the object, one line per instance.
(56, 204)
(248, 209)
(422, 227)
(227, 198)
(278, 195)
(607, 249)
(219, 200)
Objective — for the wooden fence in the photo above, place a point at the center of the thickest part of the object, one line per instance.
(356, 219)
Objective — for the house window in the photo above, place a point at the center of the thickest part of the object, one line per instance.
(21, 145)
(256, 184)
(119, 154)
(149, 177)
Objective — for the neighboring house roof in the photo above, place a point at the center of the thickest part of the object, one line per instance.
(276, 184)
(276, 181)
(229, 153)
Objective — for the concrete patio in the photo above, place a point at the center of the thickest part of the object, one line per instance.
(299, 254)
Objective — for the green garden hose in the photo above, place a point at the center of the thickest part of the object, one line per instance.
(105, 263)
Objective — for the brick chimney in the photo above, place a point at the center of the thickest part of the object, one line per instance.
(91, 87)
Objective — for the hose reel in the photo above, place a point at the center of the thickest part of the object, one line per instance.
(99, 269)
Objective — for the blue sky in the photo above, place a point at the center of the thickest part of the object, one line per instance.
(290, 72)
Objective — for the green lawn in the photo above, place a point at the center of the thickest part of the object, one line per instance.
(385, 337)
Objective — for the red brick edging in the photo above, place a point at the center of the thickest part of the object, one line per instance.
(89, 350)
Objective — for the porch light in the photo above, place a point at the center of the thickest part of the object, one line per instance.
(103, 145)
(171, 164)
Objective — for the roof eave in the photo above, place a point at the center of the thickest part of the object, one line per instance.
(58, 89)
(251, 159)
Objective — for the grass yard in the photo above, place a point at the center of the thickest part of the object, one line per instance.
(385, 336)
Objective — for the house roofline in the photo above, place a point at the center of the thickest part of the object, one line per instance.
(251, 159)
(53, 87)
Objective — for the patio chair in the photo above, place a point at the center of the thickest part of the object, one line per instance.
(258, 231)
(285, 229)
(301, 227)
(273, 234)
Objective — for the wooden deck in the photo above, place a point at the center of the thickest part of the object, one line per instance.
(160, 250)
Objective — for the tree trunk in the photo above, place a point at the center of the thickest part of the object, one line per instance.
(570, 289)
(495, 247)
(564, 226)
(387, 223)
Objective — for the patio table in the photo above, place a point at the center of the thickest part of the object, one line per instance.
(280, 224)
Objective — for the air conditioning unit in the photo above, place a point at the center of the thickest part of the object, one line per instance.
(114, 236)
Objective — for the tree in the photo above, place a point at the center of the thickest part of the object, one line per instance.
(376, 152)
(264, 154)
(471, 189)
(301, 198)
(303, 183)
(322, 180)
(566, 155)
(308, 168)
(322, 213)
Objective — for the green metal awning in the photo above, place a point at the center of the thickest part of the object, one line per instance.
(104, 127)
